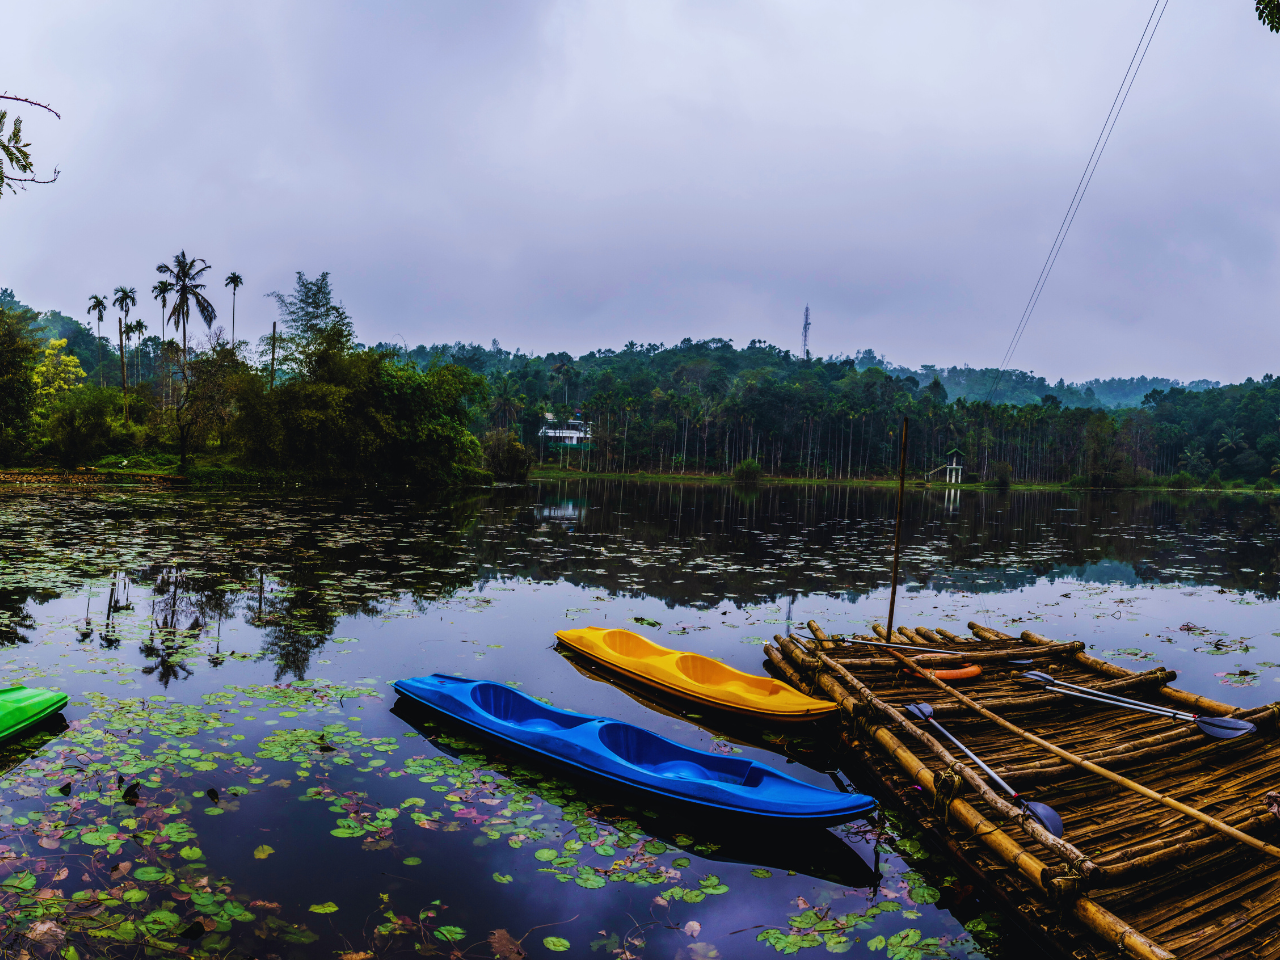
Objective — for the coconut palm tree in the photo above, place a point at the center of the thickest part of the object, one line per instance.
(98, 305)
(136, 328)
(161, 292)
(125, 298)
(187, 291)
(235, 282)
(507, 401)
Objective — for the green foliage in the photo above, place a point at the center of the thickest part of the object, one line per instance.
(1269, 14)
(505, 457)
(748, 471)
(1001, 475)
(18, 352)
(80, 428)
(1182, 481)
(1264, 484)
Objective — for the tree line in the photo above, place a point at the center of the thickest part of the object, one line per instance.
(706, 406)
(307, 401)
(309, 398)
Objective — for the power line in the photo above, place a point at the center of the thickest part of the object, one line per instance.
(1099, 145)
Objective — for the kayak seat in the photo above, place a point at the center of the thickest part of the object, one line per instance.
(659, 755)
(503, 703)
(627, 644)
(712, 673)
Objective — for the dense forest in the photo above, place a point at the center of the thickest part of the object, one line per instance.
(311, 399)
(706, 406)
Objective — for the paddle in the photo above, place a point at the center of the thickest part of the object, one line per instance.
(1043, 814)
(1221, 728)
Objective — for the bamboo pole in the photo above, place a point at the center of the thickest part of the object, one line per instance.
(1064, 850)
(1092, 767)
(1190, 700)
(897, 523)
(1096, 918)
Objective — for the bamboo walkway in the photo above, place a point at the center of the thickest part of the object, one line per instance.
(1131, 876)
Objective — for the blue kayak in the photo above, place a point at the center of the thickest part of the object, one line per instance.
(632, 757)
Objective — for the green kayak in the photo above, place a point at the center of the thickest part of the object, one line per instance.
(22, 707)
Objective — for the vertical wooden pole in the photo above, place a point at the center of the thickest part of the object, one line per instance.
(273, 355)
(124, 370)
(897, 527)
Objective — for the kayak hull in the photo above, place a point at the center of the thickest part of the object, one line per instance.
(630, 757)
(694, 677)
(24, 707)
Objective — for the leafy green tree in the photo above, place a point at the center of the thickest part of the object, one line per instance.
(18, 351)
(56, 376)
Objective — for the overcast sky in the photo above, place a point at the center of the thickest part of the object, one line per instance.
(568, 175)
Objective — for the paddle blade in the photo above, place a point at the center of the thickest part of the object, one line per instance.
(915, 711)
(1021, 663)
(1038, 676)
(1224, 728)
(1046, 816)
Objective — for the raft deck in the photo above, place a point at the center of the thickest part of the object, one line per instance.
(1130, 876)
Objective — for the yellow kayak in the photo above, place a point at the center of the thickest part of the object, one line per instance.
(693, 676)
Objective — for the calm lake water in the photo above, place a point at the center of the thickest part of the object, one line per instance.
(232, 656)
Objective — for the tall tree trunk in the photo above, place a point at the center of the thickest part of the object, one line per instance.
(124, 370)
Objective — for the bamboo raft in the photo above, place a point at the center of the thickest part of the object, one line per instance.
(1130, 876)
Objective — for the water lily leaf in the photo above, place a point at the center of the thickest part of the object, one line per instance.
(191, 853)
(545, 854)
(149, 873)
(450, 934)
(412, 861)
(502, 877)
(262, 852)
(329, 907)
(761, 873)
(557, 944)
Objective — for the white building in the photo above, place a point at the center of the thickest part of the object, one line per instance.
(571, 432)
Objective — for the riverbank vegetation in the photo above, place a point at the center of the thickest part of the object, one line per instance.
(308, 402)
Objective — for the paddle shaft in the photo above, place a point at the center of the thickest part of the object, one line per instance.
(1089, 691)
(897, 526)
(900, 646)
(1127, 704)
(1092, 767)
(974, 757)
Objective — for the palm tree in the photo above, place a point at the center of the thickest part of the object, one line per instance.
(507, 402)
(98, 305)
(185, 275)
(1232, 439)
(136, 328)
(234, 281)
(161, 292)
(125, 298)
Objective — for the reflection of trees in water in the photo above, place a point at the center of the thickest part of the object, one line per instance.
(14, 615)
(971, 539)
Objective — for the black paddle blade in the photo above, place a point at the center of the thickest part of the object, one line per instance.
(917, 710)
(1044, 815)
(1038, 675)
(1224, 728)
(1021, 663)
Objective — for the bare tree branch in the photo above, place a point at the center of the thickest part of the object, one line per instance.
(42, 106)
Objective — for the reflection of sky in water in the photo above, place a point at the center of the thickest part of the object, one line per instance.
(244, 590)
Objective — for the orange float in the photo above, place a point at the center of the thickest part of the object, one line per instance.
(966, 672)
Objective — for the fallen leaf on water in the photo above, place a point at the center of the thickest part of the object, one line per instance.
(118, 870)
(363, 955)
(693, 928)
(280, 783)
(263, 904)
(504, 946)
